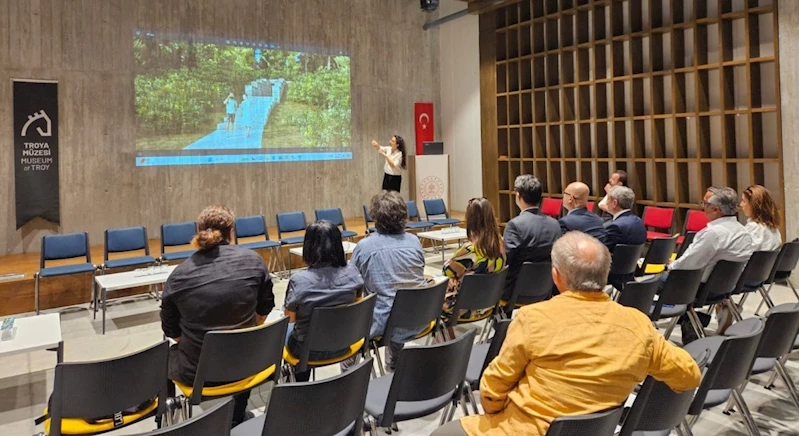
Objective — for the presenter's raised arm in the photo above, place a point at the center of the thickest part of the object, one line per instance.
(375, 145)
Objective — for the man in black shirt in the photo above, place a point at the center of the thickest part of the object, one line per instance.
(220, 287)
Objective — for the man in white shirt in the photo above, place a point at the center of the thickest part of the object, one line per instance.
(618, 178)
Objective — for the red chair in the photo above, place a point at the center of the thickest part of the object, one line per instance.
(552, 207)
(590, 206)
(695, 220)
(660, 218)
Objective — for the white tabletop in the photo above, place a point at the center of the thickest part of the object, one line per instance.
(349, 247)
(135, 278)
(444, 234)
(34, 333)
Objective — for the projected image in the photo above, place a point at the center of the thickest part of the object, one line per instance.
(224, 101)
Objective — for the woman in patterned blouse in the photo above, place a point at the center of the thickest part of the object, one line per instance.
(484, 253)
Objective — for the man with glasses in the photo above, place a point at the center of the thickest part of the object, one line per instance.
(575, 198)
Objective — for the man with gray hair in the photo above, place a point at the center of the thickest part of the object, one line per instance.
(578, 353)
(625, 227)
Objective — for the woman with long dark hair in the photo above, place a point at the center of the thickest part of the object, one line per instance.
(396, 160)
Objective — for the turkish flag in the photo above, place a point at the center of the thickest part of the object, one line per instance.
(424, 125)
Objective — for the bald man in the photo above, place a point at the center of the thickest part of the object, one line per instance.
(575, 197)
(578, 353)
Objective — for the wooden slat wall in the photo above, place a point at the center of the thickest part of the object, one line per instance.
(87, 45)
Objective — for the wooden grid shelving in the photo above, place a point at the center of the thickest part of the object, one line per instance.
(682, 94)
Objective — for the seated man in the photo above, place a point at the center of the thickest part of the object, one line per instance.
(724, 238)
(575, 198)
(220, 287)
(618, 178)
(578, 353)
(528, 237)
(626, 227)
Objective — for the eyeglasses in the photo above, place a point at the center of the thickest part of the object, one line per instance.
(566, 193)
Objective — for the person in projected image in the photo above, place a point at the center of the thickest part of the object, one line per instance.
(244, 113)
(230, 110)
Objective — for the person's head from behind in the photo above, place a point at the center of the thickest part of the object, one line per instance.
(482, 229)
(759, 206)
(618, 178)
(528, 191)
(580, 263)
(620, 198)
(322, 246)
(389, 211)
(720, 202)
(575, 195)
(215, 226)
(397, 143)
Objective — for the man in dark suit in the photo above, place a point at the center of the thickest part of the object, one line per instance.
(579, 217)
(530, 236)
(625, 228)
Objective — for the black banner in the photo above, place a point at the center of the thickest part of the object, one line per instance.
(36, 151)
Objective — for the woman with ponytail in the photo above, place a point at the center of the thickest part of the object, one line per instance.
(220, 287)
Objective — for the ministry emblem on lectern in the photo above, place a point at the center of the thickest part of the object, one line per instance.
(431, 187)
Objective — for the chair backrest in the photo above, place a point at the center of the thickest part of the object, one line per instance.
(639, 295)
(658, 217)
(782, 324)
(533, 284)
(129, 239)
(551, 207)
(789, 257)
(479, 291)
(681, 287)
(435, 207)
(687, 240)
(337, 328)
(590, 205)
(660, 251)
(230, 355)
(213, 422)
(695, 220)
(366, 217)
(500, 332)
(288, 222)
(723, 280)
(428, 372)
(177, 234)
(324, 407)
(759, 268)
(594, 424)
(102, 388)
(67, 246)
(333, 215)
(250, 226)
(414, 308)
(625, 258)
(732, 363)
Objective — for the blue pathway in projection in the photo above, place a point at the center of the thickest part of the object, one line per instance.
(262, 97)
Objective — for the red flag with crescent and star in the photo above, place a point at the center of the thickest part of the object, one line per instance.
(424, 125)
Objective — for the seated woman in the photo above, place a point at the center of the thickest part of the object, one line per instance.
(484, 253)
(328, 281)
(763, 219)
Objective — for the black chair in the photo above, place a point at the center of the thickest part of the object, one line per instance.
(658, 255)
(758, 270)
(789, 256)
(678, 292)
(333, 406)
(640, 295)
(332, 329)
(412, 308)
(481, 356)
(213, 422)
(686, 242)
(87, 395)
(730, 363)
(594, 424)
(229, 357)
(533, 285)
(427, 379)
(477, 292)
(717, 289)
(624, 264)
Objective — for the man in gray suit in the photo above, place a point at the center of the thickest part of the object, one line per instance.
(530, 236)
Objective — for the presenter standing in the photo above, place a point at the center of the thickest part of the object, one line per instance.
(396, 161)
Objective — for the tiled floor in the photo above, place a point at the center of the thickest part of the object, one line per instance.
(26, 380)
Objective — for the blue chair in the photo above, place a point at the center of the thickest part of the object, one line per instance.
(176, 235)
(69, 246)
(414, 221)
(252, 227)
(124, 241)
(368, 219)
(289, 222)
(436, 207)
(335, 216)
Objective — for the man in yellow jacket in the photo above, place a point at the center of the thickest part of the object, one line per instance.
(577, 353)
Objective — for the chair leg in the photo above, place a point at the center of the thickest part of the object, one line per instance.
(770, 383)
(36, 293)
(444, 413)
(670, 328)
(746, 414)
(734, 311)
(379, 362)
(730, 406)
(686, 429)
(793, 288)
(783, 372)
(696, 323)
(472, 400)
